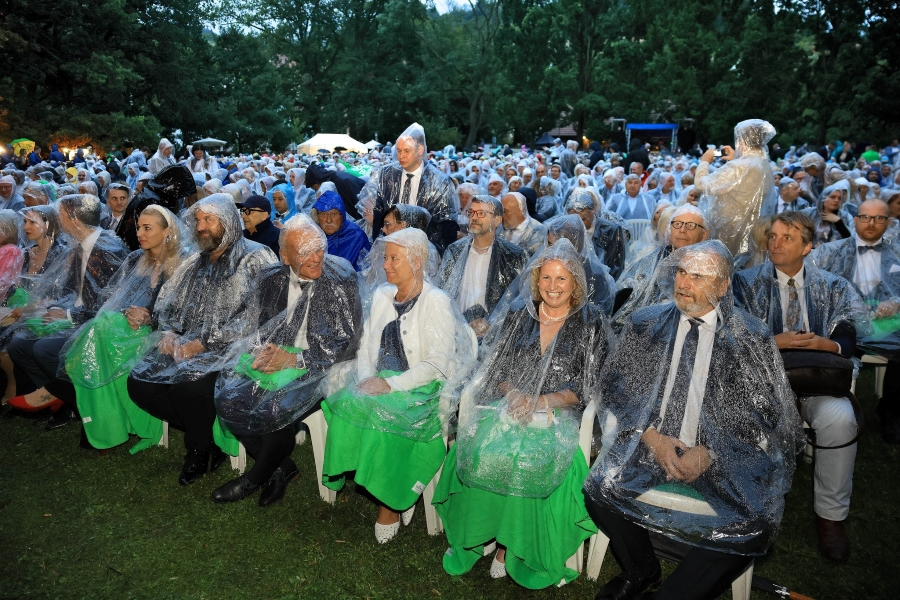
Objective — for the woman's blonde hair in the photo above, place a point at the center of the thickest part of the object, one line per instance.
(172, 254)
(575, 299)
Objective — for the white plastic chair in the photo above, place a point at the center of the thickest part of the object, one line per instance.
(880, 369)
(585, 437)
(318, 432)
(164, 440)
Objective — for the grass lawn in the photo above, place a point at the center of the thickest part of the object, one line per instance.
(77, 525)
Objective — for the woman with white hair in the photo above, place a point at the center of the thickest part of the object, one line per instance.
(386, 422)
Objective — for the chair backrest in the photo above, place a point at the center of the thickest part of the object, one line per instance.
(636, 228)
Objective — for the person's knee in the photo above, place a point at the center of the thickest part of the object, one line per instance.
(46, 354)
(20, 350)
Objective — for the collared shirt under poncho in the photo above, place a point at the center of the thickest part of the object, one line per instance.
(735, 192)
(435, 194)
(530, 235)
(349, 242)
(832, 306)
(505, 264)
(207, 301)
(842, 258)
(748, 421)
(327, 315)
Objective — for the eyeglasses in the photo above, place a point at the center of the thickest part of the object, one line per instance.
(686, 224)
(880, 219)
(479, 213)
(247, 211)
(388, 225)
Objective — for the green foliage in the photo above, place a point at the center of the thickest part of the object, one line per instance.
(275, 71)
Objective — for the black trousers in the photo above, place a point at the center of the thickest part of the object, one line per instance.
(39, 359)
(701, 575)
(187, 406)
(270, 451)
(889, 405)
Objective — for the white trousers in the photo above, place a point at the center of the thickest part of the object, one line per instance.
(835, 424)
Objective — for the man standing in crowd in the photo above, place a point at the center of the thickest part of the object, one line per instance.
(411, 180)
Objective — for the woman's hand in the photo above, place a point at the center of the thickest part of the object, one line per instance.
(520, 406)
(55, 314)
(167, 344)
(374, 386)
(137, 317)
(188, 351)
(272, 359)
(831, 217)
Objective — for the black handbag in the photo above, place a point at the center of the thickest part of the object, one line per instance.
(817, 373)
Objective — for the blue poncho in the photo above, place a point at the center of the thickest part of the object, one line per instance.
(350, 241)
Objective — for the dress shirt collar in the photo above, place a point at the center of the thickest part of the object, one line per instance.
(783, 278)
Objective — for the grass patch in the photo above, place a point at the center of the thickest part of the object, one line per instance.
(76, 525)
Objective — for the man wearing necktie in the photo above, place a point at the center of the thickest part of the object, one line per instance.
(413, 180)
(787, 199)
(310, 317)
(810, 309)
(699, 436)
(871, 262)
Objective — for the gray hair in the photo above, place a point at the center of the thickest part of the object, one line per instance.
(495, 204)
(84, 208)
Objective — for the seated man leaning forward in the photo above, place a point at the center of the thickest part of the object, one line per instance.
(699, 436)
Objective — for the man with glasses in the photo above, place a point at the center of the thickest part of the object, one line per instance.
(687, 227)
(258, 227)
(788, 199)
(872, 264)
(808, 308)
(477, 269)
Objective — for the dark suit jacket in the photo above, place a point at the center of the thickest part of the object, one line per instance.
(105, 259)
(507, 261)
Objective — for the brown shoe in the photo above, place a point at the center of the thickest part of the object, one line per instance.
(834, 544)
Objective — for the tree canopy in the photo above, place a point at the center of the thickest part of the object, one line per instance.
(263, 73)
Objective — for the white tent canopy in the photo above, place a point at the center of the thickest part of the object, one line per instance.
(372, 144)
(330, 141)
(210, 142)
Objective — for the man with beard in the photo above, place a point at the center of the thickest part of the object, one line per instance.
(477, 269)
(201, 310)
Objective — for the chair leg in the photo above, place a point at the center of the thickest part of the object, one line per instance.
(740, 587)
(164, 440)
(239, 462)
(879, 381)
(300, 438)
(432, 520)
(576, 561)
(596, 553)
(318, 432)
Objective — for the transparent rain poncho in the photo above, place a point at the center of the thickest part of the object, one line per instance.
(548, 202)
(534, 235)
(166, 189)
(610, 241)
(648, 278)
(828, 231)
(10, 253)
(879, 328)
(204, 301)
(435, 194)
(415, 344)
(506, 262)
(417, 218)
(320, 328)
(508, 441)
(740, 409)
(600, 284)
(733, 195)
(107, 347)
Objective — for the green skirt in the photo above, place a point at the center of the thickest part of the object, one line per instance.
(108, 414)
(540, 534)
(393, 468)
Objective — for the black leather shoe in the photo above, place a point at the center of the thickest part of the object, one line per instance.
(216, 458)
(61, 418)
(619, 588)
(195, 466)
(273, 490)
(234, 490)
(42, 420)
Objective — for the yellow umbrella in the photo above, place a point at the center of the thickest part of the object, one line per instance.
(22, 144)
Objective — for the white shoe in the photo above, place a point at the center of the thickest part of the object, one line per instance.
(407, 515)
(498, 569)
(489, 549)
(385, 533)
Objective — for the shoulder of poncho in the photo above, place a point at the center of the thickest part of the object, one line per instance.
(339, 268)
(740, 324)
(457, 247)
(509, 248)
(647, 315)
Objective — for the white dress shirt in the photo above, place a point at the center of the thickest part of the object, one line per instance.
(515, 234)
(867, 274)
(413, 184)
(690, 424)
(784, 290)
(474, 280)
(295, 290)
(87, 245)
